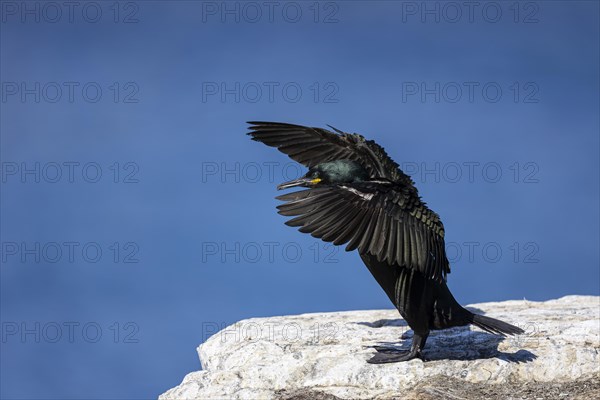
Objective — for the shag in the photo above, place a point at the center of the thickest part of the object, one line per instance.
(358, 195)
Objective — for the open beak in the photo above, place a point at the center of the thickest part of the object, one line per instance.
(305, 182)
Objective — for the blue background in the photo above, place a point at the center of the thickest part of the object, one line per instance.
(168, 122)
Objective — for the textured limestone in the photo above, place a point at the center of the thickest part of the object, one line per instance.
(323, 356)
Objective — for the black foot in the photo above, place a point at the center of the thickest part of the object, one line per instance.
(393, 357)
(388, 350)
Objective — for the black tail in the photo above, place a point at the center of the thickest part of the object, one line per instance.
(495, 326)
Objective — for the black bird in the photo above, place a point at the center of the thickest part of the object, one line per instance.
(358, 195)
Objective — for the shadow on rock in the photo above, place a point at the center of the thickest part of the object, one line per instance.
(384, 322)
(458, 343)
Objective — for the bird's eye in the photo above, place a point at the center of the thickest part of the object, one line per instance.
(315, 174)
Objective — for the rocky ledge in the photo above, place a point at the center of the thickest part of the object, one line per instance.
(323, 356)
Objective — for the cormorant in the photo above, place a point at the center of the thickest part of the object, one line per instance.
(358, 195)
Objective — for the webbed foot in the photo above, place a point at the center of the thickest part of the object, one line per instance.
(388, 356)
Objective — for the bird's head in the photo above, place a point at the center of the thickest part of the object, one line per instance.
(329, 173)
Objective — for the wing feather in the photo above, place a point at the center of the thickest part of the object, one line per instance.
(375, 218)
(360, 231)
(311, 146)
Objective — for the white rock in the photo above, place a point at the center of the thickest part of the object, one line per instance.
(321, 356)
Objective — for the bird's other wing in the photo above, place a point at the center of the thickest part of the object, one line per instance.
(311, 146)
(380, 218)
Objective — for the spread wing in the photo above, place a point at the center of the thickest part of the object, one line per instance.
(384, 219)
(311, 146)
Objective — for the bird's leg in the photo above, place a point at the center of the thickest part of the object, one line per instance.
(391, 355)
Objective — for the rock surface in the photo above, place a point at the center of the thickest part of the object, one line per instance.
(323, 356)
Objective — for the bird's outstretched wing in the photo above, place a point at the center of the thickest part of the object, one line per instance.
(384, 219)
(311, 146)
